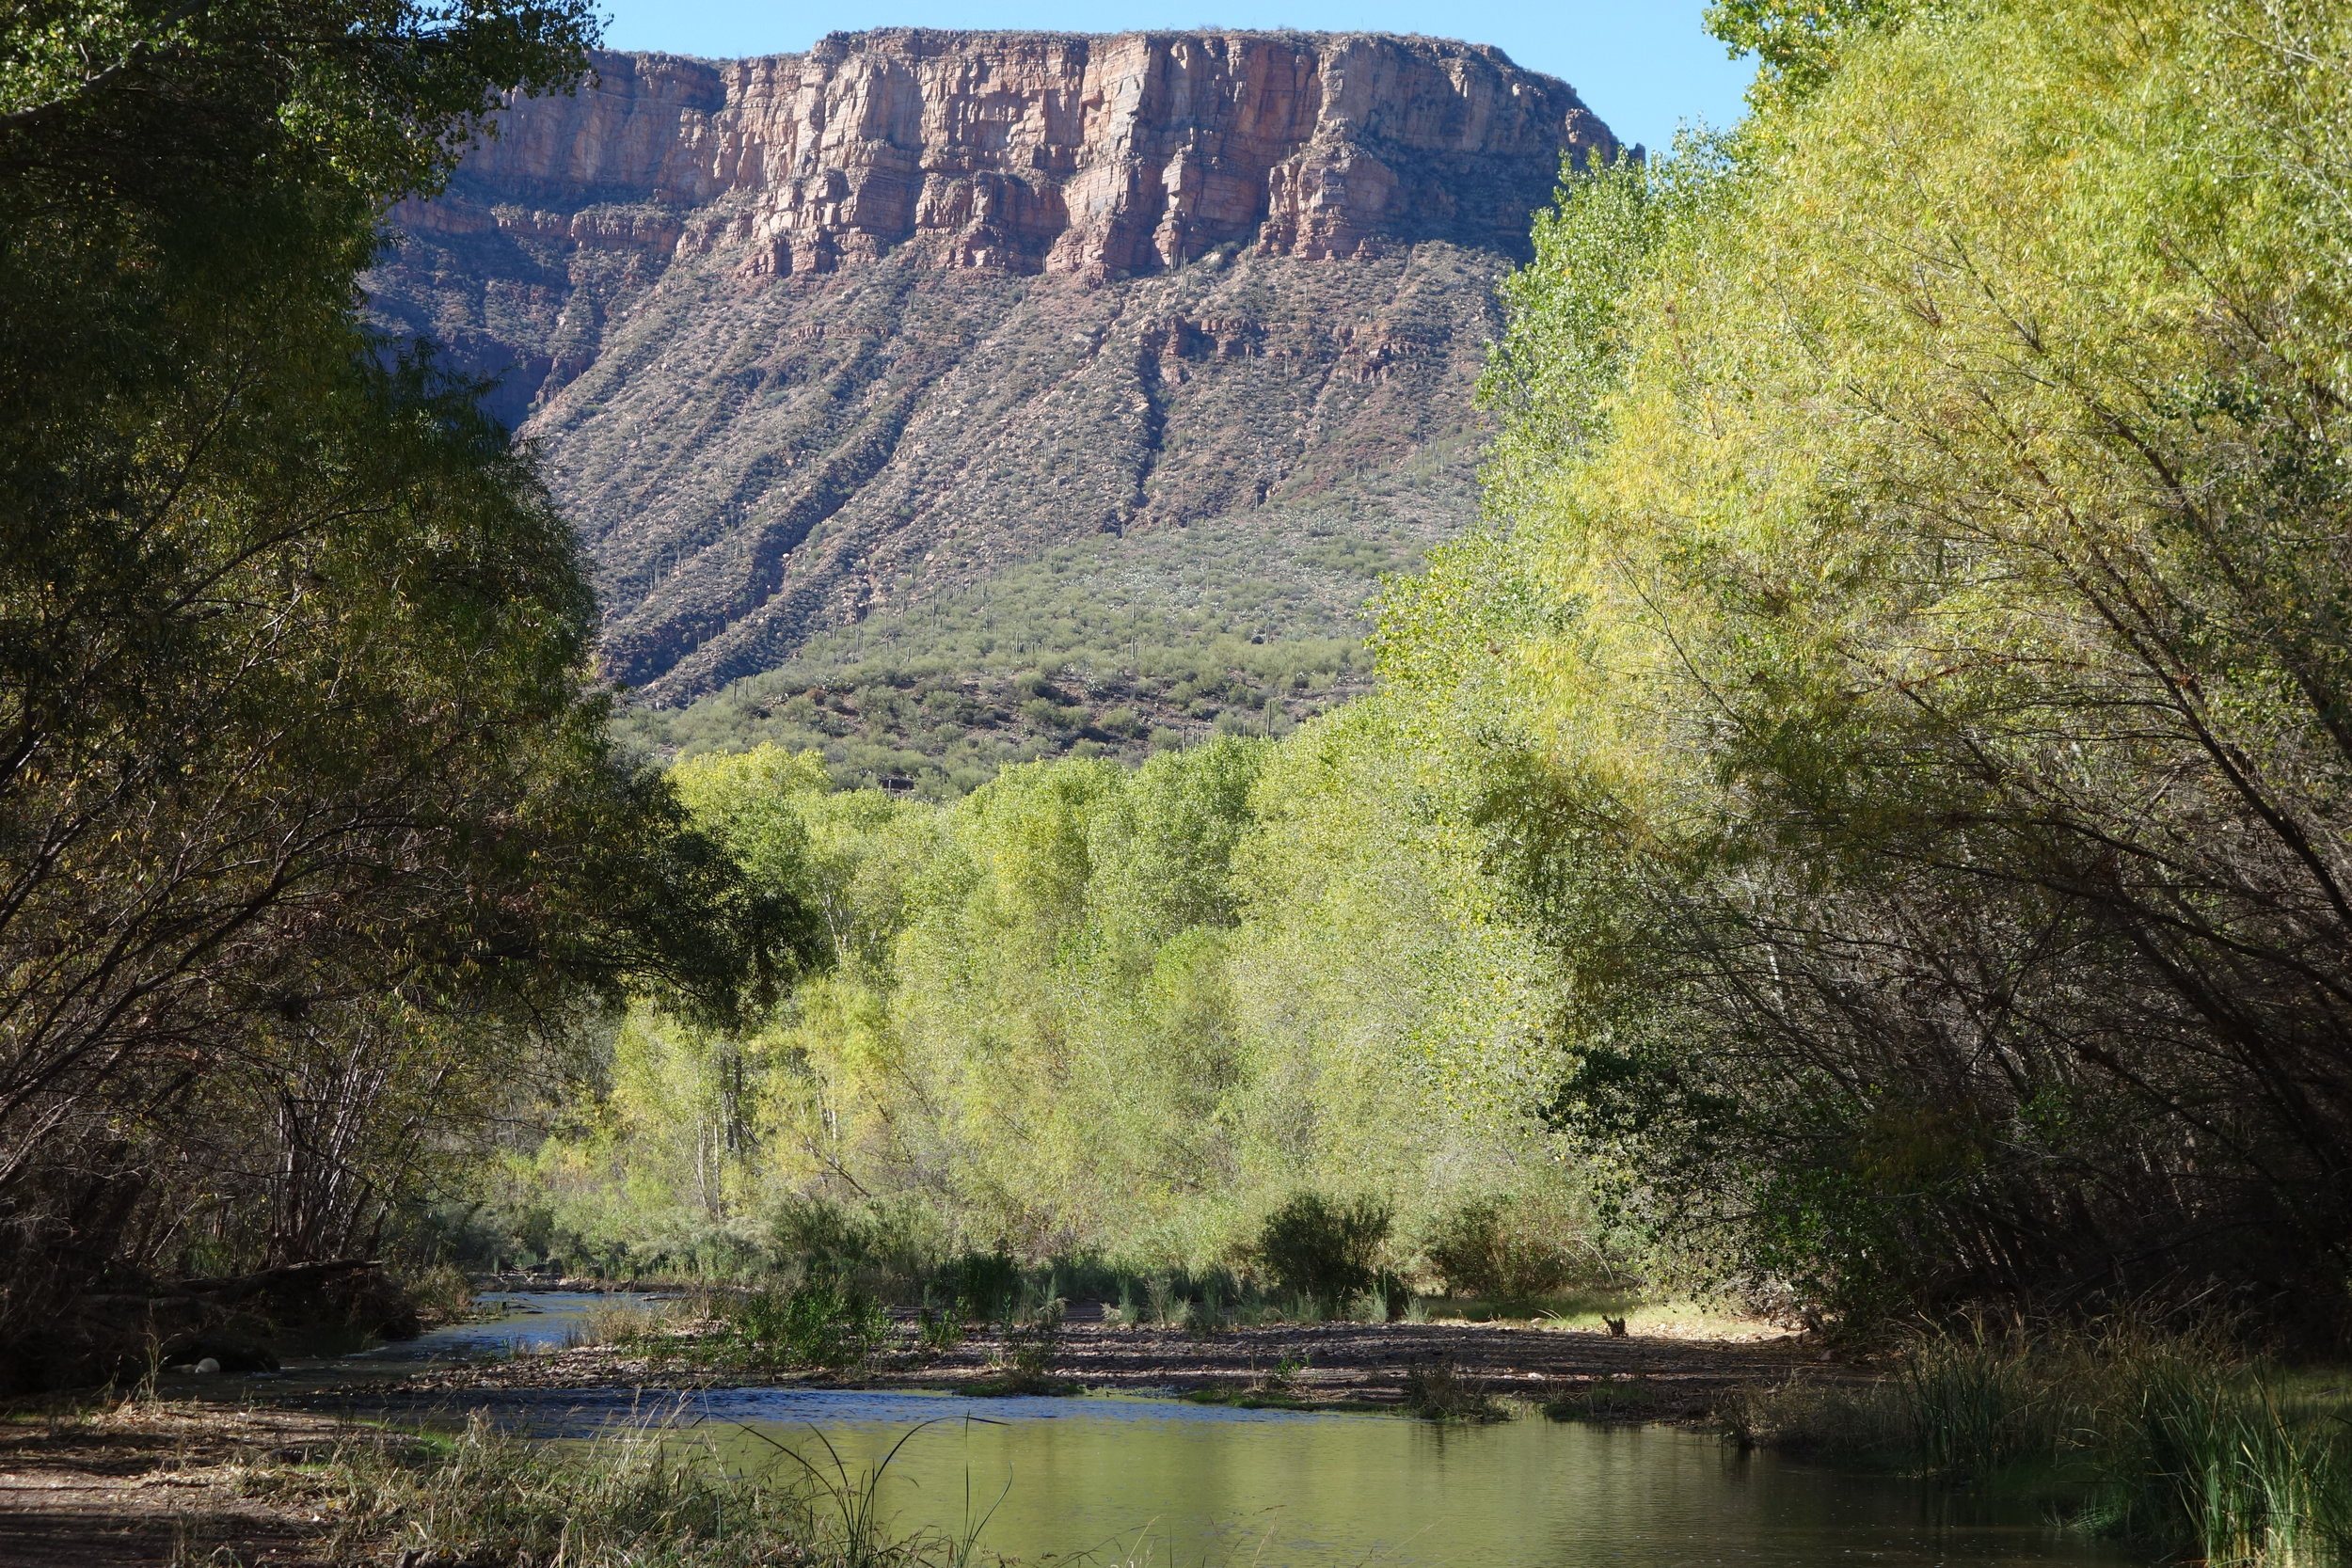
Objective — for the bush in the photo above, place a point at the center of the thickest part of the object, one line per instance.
(1325, 1248)
(440, 1293)
(819, 1229)
(983, 1286)
(823, 1323)
(1488, 1247)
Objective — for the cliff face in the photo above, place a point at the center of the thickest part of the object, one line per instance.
(809, 334)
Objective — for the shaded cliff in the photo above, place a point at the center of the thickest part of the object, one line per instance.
(815, 339)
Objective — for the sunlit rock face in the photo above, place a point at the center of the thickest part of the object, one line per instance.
(789, 327)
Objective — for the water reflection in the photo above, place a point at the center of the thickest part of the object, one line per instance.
(1170, 1483)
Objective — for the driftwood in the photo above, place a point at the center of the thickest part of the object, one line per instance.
(286, 1280)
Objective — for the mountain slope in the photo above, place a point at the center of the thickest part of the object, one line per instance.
(828, 353)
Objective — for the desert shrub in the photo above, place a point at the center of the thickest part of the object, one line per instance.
(1492, 1247)
(1325, 1248)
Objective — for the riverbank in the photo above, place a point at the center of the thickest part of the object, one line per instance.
(206, 1465)
(1685, 1374)
(130, 1483)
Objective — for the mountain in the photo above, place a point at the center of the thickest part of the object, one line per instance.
(944, 398)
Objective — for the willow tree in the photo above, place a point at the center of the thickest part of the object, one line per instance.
(1915, 696)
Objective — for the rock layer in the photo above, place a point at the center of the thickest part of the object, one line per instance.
(748, 304)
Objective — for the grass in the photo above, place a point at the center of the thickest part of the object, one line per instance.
(1606, 1399)
(2170, 1441)
(651, 1497)
(1440, 1392)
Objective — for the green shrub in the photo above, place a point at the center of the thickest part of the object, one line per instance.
(984, 1286)
(825, 1323)
(1493, 1248)
(1325, 1248)
(819, 1229)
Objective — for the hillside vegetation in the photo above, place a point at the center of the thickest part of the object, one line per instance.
(1116, 645)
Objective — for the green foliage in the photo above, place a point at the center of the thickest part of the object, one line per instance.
(1906, 701)
(1797, 42)
(822, 1322)
(1324, 1248)
(174, 104)
(313, 838)
(1083, 1009)
(1493, 1248)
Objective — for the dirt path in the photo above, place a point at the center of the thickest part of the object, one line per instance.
(149, 1483)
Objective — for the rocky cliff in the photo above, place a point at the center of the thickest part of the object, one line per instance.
(816, 338)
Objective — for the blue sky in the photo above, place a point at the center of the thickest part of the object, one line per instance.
(1641, 65)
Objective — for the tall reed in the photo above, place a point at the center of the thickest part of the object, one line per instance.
(2168, 1440)
(655, 1496)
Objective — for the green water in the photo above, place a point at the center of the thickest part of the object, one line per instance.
(1132, 1482)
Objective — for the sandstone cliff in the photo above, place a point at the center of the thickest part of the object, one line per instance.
(813, 337)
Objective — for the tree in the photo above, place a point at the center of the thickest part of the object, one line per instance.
(295, 746)
(1916, 713)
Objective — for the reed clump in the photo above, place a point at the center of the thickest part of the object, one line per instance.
(628, 1325)
(1440, 1390)
(821, 1323)
(648, 1498)
(2173, 1441)
(824, 1323)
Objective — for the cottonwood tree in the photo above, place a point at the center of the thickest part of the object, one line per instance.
(294, 739)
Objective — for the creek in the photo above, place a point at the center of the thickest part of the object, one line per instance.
(1164, 1483)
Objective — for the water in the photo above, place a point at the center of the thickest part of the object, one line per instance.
(1176, 1486)
(527, 1321)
